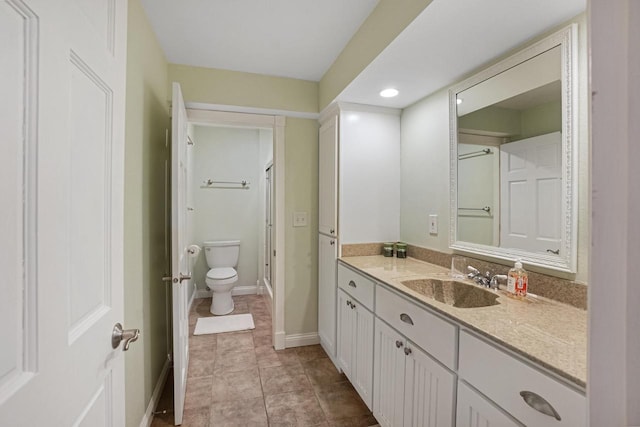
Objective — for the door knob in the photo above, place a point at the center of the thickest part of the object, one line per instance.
(126, 335)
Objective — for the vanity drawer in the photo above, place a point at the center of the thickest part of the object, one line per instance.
(356, 285)
(433, 334)
(502, 378)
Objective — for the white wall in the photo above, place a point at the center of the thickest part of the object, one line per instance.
(227, 154)
(425, 167)
(369, 177)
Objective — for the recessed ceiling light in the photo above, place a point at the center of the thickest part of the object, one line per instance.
(389, 93)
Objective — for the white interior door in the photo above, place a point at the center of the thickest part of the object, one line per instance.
(531, 194)
(62, 80)
(180, 273)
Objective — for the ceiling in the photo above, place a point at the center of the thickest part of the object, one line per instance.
(450, 39)
(301, 39)
(288, 38)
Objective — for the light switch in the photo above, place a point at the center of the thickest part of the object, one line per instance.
(299, 219)
(433, 224)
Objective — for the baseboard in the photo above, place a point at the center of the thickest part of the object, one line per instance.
(237, 290)
(279, 340)
(245, 290)
(299, 340)
(155, 396)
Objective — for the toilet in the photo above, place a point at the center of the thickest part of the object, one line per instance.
(222, 258)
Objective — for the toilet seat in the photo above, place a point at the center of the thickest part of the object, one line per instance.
(221, 273)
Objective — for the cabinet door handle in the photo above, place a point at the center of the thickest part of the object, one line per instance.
(407, 351)
(352, 284)
(348, 303)
(331, 231)
(406, 318)
(399, 344)
(538, 403)
(332, 242)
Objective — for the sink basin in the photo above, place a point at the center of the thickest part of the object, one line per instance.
(454, 293)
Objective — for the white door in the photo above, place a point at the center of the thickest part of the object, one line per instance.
(327, 254)
(428, 390)
(531, 194)
(388, 371)
(180, 274)
(328, 182)
(346, 322)
(363, 353)
(62, 80)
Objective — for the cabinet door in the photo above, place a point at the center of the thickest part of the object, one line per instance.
(346, 334)
(327, 177)
(475, 411)
(327, 254)
(363, 353)
(428, 391)
(388, 374)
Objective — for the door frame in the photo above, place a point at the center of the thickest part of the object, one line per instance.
(204, 114)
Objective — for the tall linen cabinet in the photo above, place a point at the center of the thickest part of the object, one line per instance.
(359, 195)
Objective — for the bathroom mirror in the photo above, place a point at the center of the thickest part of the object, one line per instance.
(513, 137)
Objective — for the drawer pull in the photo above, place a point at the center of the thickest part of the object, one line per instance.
(399, 343)
(406, 318)
(352, 284)
(538, 403)
(407, 351)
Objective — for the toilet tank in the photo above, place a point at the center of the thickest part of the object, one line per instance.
(222, 253)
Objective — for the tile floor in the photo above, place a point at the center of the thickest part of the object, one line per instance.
(238, 379)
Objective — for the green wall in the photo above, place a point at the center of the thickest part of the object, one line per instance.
(215, 86)
(382, 26)
(147, 118)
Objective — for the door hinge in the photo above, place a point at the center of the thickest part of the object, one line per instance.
(274, 252)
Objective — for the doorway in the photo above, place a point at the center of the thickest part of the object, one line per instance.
(273, 126)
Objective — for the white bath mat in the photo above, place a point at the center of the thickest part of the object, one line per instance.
(217, 324)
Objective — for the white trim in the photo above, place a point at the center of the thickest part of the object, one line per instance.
(300, 340)
(252, 110)
(155, 396)
(362, 108)
(279, 272)
(279, 340)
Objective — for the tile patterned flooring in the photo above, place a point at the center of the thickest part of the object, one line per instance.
(238, 379)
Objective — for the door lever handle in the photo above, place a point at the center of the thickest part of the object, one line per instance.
(127, 335)
(175, 279)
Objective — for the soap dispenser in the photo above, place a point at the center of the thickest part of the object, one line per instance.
(518, 280)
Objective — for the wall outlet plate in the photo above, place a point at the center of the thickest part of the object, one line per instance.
(433, 224)
(299, 219)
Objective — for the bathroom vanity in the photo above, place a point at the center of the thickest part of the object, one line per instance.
(420, 352)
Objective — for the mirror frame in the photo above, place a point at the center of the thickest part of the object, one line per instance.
(566, 39)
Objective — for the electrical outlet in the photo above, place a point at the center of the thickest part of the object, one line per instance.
(433, 224)
(299, 219)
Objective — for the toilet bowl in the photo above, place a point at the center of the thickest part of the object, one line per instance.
(222, 258)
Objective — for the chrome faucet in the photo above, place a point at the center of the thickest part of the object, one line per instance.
(487, 279)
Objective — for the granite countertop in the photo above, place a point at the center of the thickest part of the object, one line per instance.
(552, 334)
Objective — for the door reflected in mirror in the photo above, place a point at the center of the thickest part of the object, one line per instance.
(511, 154)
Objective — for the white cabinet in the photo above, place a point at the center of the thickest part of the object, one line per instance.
(327, 254)
(328, 177)
(355, 344)
(476, 411)
(410, 388)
